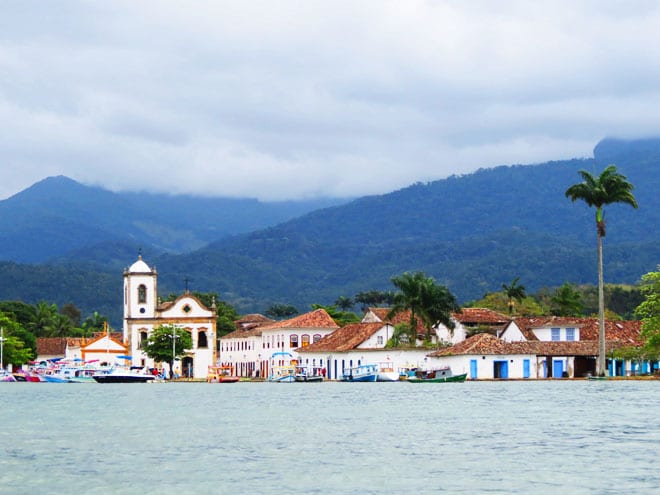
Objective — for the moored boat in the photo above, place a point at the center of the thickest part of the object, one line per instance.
(221, 374)
(119, 375)
(439, 375)
(361, 373)
(308, 374)
(387, 373)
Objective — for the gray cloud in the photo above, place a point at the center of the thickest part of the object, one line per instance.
(307, 98)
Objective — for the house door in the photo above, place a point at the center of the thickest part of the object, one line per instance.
(187, 365)
(501, 369)
(473, 369)
(526, 373)
(557, 368)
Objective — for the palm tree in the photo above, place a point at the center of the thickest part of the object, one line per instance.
(409, 298)
(609, 187)
(566, 301)
(514, 291)
(344, 303)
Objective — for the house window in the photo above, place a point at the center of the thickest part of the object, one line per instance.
(554, 334)
(379, 340)
(142, 294)
(293, 341)
(305, 340)
(317, 337)
(202, 341)
(570, 334)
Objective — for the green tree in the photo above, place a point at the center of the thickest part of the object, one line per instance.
(280, 311)
(341, 317)
(609, 187)
(514, 292)
(14, 350)
(421, 296)
(649, 312)
(72, 312)
(344, 303)
(167, 343)
(94, 323)
(566, 301)
(374, 298)
(42, 322)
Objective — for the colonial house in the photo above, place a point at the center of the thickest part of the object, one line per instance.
(470, 321)
(104, 347)
(257, 346)
(578, 340)
(143, 312)
(356, 344)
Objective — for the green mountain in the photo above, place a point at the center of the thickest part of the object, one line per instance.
(58, 218)
(471, 233)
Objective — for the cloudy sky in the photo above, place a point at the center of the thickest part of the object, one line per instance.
(298, 99)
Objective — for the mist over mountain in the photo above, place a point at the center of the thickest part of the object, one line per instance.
(471, 233)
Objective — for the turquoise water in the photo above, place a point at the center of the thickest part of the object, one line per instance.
(331, 438)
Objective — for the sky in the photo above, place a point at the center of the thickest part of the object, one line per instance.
(305, 99)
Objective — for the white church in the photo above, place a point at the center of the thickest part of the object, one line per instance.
(143, 312)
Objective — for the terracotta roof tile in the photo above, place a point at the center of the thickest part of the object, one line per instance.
(400, 317)
(481, 315)
(626, 332)
(51, 346)
(318, 318)
(344, 339)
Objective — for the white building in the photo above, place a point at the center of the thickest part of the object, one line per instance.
(143, 312)
(249, 350)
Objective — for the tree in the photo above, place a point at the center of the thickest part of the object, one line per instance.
(649, 312)
(281, 311)
(424, 298)
(14, 350)
(94, 323)
(609, 187)
(167, 343)
(340, 317)
(42, 322)
(566, 301)
(72, 312)
(514, 291)
(344, 303)
(374, 298)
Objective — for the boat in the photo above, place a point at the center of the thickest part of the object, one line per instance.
(285, 370)
(438, 375)
(361, 373)
(307, 374)
(120, 375)
(221, 374)
(387, 373)
(5, 376)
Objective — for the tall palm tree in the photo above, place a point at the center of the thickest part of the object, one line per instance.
(609, 187)
(409, 298)
(514, 291)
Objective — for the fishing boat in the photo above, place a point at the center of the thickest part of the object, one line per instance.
(439, 375)
(283, 368)
(221, 374)
(308, 374)
(387, 373)
(361, 373)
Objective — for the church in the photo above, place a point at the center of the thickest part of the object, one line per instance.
(143, 312)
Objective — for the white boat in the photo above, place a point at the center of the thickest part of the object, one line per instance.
(309, 374)
(387, 373)
(361, 373)
(122, 375)
(282, 368)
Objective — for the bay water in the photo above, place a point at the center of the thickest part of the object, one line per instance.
(577, 437)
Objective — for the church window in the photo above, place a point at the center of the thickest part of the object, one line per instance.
(143, 339)
(142, 294)
(202, 340)
(187, 309)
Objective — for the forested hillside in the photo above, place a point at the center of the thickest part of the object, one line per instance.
(471, 233)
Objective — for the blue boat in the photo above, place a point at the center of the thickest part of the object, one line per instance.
(361, 373)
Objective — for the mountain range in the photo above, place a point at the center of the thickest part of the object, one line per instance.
(471, 232)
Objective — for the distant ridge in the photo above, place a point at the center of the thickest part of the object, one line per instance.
(471, 233)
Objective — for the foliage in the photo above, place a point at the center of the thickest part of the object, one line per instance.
(281, 311)
(566, 301)
(159, 345)
(342, 318)
(421, 296)
(649, 311)
(401, 336)
(514, 292)
(498, 301)
(374, 298)
(14, 350)
(344, 303)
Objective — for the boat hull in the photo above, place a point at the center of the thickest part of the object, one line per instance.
(443, 379)
(305, 378)
(110, 378)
